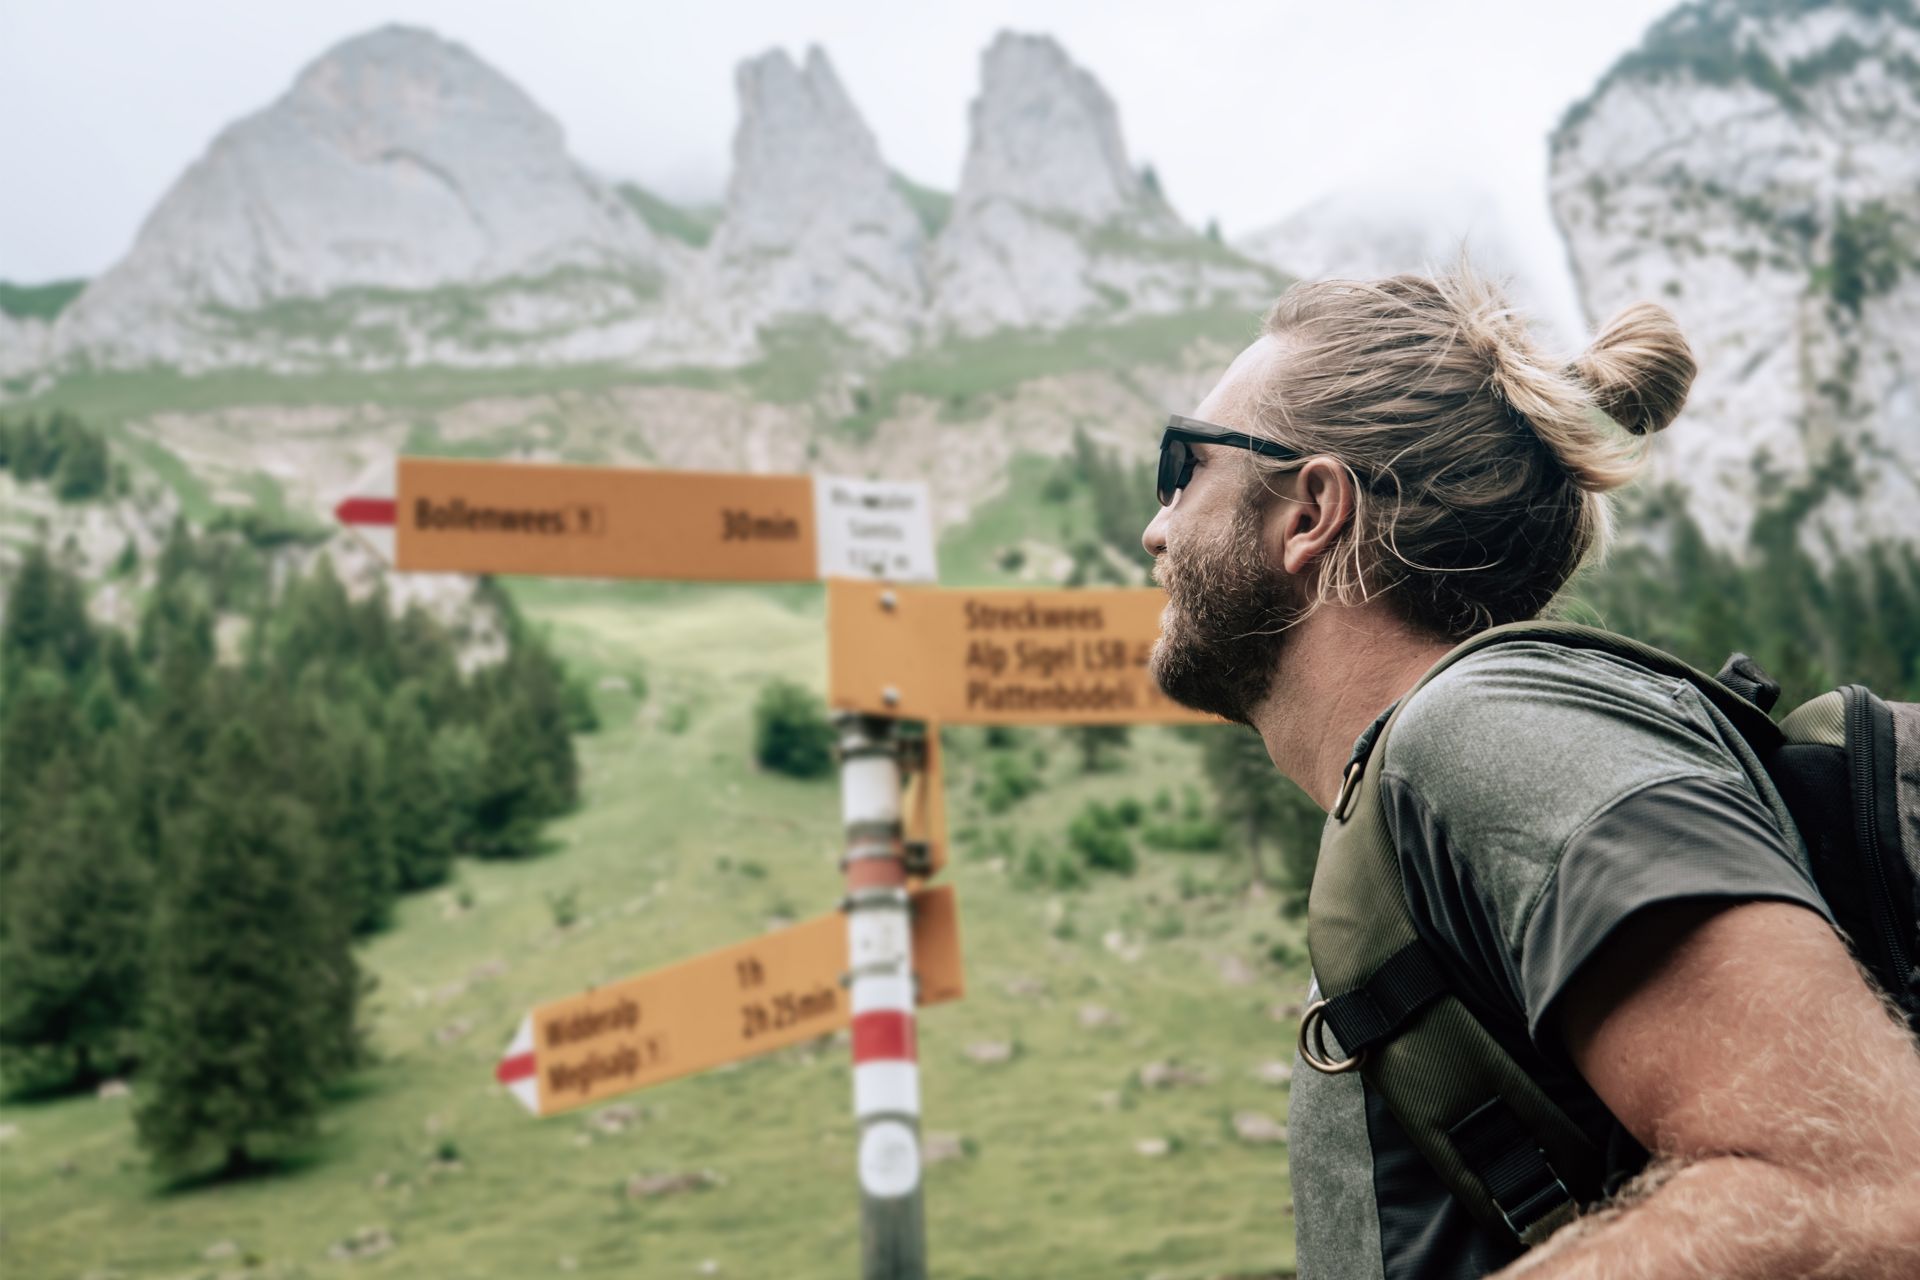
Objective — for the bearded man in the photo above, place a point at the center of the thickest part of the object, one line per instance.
(1611, 882)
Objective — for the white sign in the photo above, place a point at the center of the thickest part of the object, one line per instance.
(874, 529)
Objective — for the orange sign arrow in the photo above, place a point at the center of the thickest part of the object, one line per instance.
(462, 516)
(737, 1002)
(997, 656)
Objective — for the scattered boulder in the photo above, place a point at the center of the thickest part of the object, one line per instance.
(1235, 971)
(989, 1052)
(487, 971)
(615, 1119)
(1153, 1148)
(381, 1180)
(1024, 987)
(367, 1242)
(1171, 1075)
(1275, 1073)
(454, 1031)
(654, 1186)
(1095, 1016)
(938, 1148)
(613, 684)
(1120, 945)
(1108, 1100)
(1258, 1129)
(708, 1267)
(220, 1250)
(568, 1262)
(8, 1132)
(113, 1089)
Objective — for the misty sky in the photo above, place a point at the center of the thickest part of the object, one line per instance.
(1248, 110)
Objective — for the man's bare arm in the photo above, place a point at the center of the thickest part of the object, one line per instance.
(1779, 1098)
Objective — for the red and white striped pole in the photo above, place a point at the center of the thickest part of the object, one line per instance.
(886, 1071)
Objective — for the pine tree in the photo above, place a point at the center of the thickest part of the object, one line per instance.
(534, 688)
(75, 929)
(1098, 743)
(39, 724)
(416, 799)
(1265, 806)
(47, 620)
(250, 975)
(85, 470)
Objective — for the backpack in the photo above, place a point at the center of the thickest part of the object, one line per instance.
(1847, 765)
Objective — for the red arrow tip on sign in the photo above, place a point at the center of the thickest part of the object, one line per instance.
(365, 511)
(519, 1066)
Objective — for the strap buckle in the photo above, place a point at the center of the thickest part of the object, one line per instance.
(1313, 1043)
(1349, 787)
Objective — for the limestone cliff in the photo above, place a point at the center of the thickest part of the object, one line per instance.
(814, 225)
(1052, 224)
(402, 203)
(1755, 166)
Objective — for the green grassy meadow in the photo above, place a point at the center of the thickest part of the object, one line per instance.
(682, 845)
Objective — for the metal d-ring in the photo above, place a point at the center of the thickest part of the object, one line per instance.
(1313, 1043)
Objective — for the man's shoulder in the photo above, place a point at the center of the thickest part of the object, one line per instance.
(1538, 723)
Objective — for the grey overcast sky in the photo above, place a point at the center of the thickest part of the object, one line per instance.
(1248, 110)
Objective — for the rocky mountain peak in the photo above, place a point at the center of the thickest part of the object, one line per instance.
(396, 162)
(1046, 135)
(1752, 166)
(814, 222)
(1052, 224)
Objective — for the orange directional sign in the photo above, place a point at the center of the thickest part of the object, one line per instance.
(460, 516)
(737, 1002)
(997, 656)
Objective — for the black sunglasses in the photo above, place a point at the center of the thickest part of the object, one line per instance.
(1176, 451)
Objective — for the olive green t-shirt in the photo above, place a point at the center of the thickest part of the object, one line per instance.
(1539, 798)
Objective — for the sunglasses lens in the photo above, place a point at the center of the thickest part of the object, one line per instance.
(1173, 466)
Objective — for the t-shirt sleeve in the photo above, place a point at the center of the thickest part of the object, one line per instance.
(1541, 797)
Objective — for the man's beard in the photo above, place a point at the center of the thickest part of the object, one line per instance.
(1226, 621)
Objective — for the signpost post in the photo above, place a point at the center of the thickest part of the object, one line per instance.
(880, 946)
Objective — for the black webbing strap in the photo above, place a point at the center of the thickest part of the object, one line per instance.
(1500, 1152)
(1377, 1008)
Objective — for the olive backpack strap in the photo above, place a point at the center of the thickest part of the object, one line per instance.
(1505, 1149)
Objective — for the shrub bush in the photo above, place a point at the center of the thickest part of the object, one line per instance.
(1097, 836)
(1007, 780)
(1185, 835)
(791, 734)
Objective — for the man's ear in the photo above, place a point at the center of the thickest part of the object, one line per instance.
(1314, 507)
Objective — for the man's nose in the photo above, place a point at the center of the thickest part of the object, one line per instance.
(1154, 539)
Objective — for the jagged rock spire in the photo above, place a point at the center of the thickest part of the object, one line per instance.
(814, 224)
(1052, 224)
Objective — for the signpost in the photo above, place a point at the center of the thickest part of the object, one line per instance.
(912, 652)
(997, 656)
(461, 516)
(737, 1002)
